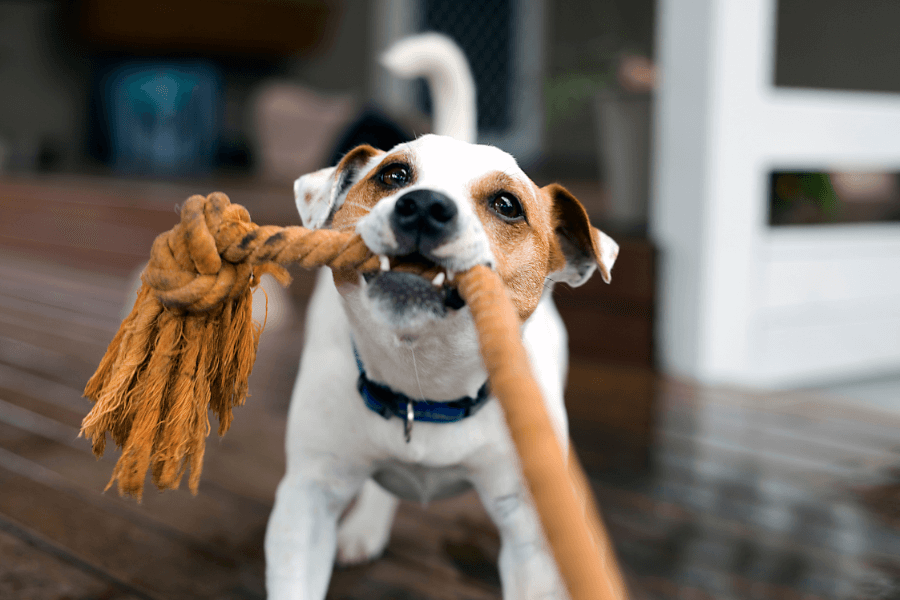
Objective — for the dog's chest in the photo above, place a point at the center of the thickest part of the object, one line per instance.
(421, 483)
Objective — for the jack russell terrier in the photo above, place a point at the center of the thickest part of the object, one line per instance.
(391, 399)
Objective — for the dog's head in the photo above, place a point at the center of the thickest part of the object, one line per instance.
(436, 206)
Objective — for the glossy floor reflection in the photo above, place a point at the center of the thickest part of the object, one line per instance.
(754, 496)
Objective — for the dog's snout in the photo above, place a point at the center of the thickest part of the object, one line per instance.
(425, 216)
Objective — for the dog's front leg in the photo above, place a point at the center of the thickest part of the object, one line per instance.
(366, 528)
(302, 533)
(527, 568)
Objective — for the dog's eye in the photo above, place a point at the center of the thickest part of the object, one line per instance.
(507, 207)
(394, 176)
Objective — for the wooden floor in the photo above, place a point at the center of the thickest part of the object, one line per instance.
(743, 496)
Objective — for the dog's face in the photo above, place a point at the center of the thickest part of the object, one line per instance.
(436, 206)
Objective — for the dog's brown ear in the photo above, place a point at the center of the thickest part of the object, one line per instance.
(321, 193)
(583, 246)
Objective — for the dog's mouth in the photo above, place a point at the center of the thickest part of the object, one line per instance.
(414, 280)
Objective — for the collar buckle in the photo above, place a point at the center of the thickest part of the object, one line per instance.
(408, 422)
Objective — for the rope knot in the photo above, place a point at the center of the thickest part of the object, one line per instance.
(186, 268)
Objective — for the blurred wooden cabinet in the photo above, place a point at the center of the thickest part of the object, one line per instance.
(266, 28)
(612, 382)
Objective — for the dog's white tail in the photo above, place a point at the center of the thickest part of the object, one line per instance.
(440, 61)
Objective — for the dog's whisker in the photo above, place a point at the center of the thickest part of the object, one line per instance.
(547, 286)
(416, 371)
(368, 209)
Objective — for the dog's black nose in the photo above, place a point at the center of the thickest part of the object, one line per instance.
(425, 218)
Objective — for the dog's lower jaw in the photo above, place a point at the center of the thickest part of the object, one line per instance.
(418, 354)
(406, 296)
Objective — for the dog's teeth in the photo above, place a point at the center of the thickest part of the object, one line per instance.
(385, 263)
(450, 275)
(438, 279)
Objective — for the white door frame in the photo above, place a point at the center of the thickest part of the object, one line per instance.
(730, 309)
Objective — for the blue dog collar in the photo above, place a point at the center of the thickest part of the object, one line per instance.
(387, 403)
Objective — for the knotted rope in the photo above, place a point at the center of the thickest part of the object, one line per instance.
(189, 344)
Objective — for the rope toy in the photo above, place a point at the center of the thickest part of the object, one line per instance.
(189, 344)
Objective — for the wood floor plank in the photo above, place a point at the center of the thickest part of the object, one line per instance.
(61, 281)
(54, 446)
(35, 568)
(50, 312)
(52, 296)
(55, 326)
(56, 400)
(222, 526)
(55, 365)
(139, 556)
(89, 348)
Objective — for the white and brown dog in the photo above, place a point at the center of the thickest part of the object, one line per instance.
(391, 399)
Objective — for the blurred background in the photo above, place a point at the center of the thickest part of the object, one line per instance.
(734, 394)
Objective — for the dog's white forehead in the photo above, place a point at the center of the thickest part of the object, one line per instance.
(451, 165)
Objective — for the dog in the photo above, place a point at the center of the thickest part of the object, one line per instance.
(391, 399)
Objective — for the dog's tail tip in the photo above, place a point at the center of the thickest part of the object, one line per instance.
(441, 61)
(414, 55)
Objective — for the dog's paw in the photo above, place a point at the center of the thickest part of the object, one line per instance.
(359, 542)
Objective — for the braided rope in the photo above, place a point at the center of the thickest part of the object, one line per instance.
(207, 258)
(583, 554)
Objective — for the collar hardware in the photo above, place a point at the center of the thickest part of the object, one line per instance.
(386, 402)
(408, 423)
